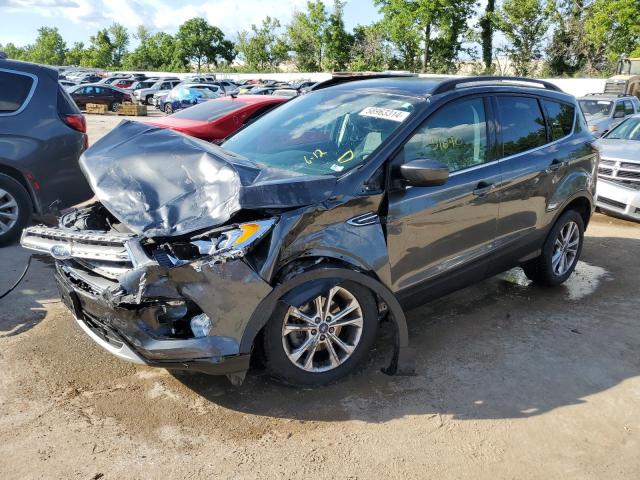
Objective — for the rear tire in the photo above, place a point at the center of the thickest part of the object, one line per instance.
(149, 100)
(331, 352)
(15, 209)
(560, 252)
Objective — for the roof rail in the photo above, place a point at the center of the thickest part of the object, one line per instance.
(467, 82)
(338, 78)
(607, 94)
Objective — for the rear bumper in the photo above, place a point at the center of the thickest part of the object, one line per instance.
(618, 199)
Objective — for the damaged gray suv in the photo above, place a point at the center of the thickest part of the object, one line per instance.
(309, 226)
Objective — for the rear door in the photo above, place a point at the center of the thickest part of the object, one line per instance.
(536, 149)
(444, 232)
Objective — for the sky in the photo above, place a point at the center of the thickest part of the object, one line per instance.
(79, 19)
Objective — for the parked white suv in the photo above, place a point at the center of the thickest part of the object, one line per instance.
(145, 95)
(604, 111)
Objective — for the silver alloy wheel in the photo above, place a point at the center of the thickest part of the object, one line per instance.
(565, 249)
(115, 106)
(322, 334)
(8, 211)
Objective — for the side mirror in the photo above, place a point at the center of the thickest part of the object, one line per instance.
(424, 173)
(618, 114)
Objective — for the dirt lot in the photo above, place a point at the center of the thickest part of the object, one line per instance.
(513, 381)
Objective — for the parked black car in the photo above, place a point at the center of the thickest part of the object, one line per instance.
(101, 94)
(320, 218)
(42, 135)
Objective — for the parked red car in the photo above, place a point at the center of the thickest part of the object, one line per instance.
(217, 119)
(124, 83)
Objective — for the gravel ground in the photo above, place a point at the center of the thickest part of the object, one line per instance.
(513, 381)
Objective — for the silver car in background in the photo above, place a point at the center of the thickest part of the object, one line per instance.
(618, 189)
(145, 95)
(604, 111)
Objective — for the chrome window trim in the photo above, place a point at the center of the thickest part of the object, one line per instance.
(573, 128)
(510, 157)
(34, 84)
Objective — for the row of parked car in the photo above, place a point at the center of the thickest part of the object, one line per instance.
(313, 219)
(171, 94)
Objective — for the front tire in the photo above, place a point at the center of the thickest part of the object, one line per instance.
(15, 209)
(114, 107)
(322, 340)
(168, 109)
(560, 252)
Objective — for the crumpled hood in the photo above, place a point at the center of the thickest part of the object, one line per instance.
(617, 149)
(161, 183)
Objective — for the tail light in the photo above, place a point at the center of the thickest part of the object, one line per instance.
(127, 98)
(77, 122)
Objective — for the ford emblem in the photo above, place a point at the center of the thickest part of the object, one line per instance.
(60, 252)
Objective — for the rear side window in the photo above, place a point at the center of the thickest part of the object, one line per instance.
(521, 123)
(66, 106)
(14, 91)
(560, 116)
(628, 108)
(455, 135)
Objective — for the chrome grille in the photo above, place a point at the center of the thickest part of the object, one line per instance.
(63, 244)
(624, 173)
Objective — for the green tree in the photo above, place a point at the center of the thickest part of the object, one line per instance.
(337, 41)
(202, 43)
(566, 53)
(486, 35)
(159, 51)
(430, 29)
(120, 41)
(451, 31)
(49, 47)
(524, 24)
(263, 48)
(74, 54)
(13, 52)
(307, 36)
(612, 28)
(99, 54)
(370, 50)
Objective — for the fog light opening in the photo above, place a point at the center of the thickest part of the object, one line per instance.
(200, 325)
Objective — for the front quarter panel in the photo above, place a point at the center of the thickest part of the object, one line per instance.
(326, 232)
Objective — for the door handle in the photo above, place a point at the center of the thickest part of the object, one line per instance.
(483, 188)
(555, 165)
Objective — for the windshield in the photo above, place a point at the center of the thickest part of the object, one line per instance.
(627, 130)
(596, 107)
(327, 132)
(209, 111)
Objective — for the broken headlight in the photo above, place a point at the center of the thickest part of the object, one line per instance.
(225, 243)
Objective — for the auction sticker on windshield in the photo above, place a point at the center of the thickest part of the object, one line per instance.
(385, 113)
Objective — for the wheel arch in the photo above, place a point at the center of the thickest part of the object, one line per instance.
(305, 277)
(19, 177)
(582, 202)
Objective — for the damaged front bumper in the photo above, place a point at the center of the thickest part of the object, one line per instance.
(138, 309)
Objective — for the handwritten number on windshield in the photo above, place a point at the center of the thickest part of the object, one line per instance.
(317, 153)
